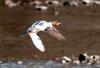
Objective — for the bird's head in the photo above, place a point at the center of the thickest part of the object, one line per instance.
(55, 23)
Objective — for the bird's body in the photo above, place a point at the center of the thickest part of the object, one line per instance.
(42, 25)
(45, 27)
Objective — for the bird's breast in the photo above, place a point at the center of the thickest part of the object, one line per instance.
(35, 30)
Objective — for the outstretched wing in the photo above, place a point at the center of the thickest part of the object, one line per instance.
(37, 41)
(55, 33)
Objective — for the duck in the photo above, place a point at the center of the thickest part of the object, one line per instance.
(66, 59)
(94, 59)
(44, 26)
(10, 3)
(83, 56)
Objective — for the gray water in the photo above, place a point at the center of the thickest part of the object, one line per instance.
(44, 64)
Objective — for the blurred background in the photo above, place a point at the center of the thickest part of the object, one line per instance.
(80, 25)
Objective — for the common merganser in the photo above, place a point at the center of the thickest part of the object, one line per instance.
(44, 26)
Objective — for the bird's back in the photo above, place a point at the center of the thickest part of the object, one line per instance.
(41, 25)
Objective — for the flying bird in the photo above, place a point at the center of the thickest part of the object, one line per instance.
(47, 27)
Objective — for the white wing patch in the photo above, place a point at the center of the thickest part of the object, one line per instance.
(37, 41)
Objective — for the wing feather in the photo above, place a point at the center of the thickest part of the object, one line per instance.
(55, 33)
(37, 41)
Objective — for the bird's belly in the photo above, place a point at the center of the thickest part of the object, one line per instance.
(35, 30)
